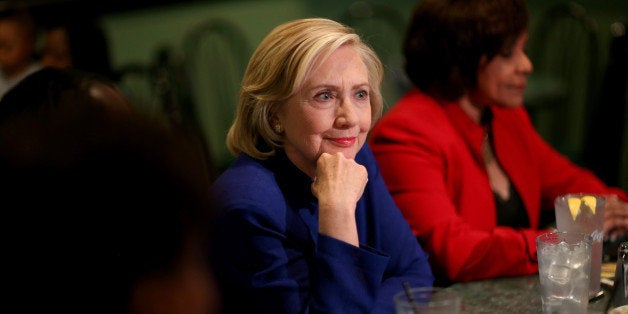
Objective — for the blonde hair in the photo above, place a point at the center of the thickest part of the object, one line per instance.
(278, 69)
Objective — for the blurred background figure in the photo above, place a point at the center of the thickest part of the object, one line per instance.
(78, 43)
(18, 36)
(104, 209)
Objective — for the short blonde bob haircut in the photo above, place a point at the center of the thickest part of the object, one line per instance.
(279, 68)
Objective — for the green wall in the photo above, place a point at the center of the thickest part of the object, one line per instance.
(136, 36)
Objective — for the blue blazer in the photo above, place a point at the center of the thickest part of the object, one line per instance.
(268, 256)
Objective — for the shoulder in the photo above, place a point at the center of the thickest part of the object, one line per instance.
(414, 110)
(509, 118)
(246, 182)
(513, 114)
(247, 193)
(415, 101)
(415, 116)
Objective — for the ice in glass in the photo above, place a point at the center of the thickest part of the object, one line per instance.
(564, 267)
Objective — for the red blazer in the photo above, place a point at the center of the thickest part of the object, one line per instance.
(430, 158)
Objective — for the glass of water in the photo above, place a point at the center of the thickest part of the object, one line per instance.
(564, 267)
(580, 212)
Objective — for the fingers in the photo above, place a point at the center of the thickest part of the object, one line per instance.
(338, 186)
(618, 224)
(615, 217)
(335, 173)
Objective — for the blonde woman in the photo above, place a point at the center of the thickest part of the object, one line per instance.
(307, 224)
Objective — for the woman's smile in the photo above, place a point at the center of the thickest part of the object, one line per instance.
(343, 141)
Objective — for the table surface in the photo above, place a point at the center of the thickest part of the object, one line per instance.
(523, 294)
(510, 295)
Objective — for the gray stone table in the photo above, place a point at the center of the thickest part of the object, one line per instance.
(510, 295)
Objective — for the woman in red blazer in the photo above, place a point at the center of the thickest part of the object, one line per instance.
(459, 152)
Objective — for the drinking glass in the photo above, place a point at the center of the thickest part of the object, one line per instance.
(564, 268)
(423, 300)
(584, 213)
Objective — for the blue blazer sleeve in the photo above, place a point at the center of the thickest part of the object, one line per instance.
(387, 231)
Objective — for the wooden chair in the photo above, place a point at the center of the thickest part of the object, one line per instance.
(216, 53)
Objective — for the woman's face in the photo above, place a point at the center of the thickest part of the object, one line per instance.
(502, 80)
(331, 113)
(57, 49)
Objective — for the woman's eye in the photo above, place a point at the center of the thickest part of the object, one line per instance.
(324, 96)
(362, 94)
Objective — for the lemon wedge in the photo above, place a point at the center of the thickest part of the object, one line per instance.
(590, 201)
(574, 206)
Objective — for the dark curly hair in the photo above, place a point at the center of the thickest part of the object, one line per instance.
(446, 39)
